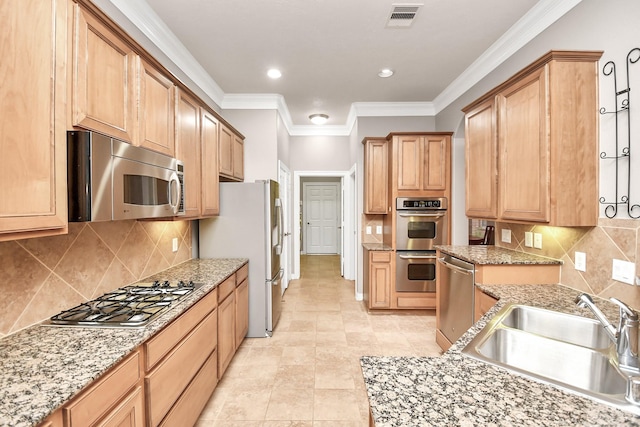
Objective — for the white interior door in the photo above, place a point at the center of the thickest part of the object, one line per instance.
(284, 179)
(321, 217)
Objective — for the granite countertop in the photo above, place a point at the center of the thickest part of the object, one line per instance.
(377, 247)
(44, 366)
(489, 255)
(456, 390)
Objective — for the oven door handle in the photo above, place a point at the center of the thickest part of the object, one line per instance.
(417, 256)
(434, 215)
(454, 267)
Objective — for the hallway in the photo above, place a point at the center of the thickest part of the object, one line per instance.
(308, 374)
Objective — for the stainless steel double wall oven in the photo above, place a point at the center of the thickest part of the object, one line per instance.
(421, 224)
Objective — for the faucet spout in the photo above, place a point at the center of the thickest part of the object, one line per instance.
(625, 337)
(585, 301)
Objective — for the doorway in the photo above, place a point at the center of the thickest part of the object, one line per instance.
(321, 217)
(346, 191)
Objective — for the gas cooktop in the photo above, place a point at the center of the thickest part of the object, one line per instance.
(130, 306)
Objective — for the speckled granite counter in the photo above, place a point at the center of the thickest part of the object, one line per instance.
(376, 247)
(43, 366)
(479, 254)
(455, 390)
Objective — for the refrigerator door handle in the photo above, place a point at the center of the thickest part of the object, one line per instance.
(278, 204)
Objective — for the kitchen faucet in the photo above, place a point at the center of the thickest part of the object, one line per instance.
(625, 337)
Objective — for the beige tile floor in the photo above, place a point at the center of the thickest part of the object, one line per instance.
(308, 373)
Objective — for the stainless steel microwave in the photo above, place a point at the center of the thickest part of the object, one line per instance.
(109, 180)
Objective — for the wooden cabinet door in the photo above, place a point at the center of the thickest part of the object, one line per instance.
(209, 153)
(376, 187)
(130, 412)
(435, 155)
(238, 158)
(103, 84)
(523, 138)
(409, 162)
(225, 151)
(188, 150)
(242, 312)
(226, 332)
(380, 279)
(481, 161)
(156, 110)
(33, 144)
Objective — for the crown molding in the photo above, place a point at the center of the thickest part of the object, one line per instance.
(541, 16)
(140, 15)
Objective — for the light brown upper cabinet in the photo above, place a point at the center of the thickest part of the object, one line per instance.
(209, 153)
(546, 127)
(231, 154)
(156, 110)
(376, 176)
(33, 147)
(188, 150)
(104, 79)
(423, 161)
(238, 157)
(481, 161)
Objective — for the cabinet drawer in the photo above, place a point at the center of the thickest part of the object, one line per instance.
(188, 408)
(380, 256)
(242, 274)
(166, 383)
(158, 346)
(226, 287)
(97, 400)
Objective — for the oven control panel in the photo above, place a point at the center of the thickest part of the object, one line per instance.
(412, 203)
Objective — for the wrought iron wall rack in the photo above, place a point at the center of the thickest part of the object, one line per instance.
(622, 137)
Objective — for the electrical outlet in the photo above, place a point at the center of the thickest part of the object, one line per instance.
(378, 229)
(580, 261)
(506, 235)
(537, 240)
(623, 271)
(368, 229)
(528, 239)
(174, 244)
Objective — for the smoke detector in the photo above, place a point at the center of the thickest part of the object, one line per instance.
(403, 15)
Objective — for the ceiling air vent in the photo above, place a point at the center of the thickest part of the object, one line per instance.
(402, 15)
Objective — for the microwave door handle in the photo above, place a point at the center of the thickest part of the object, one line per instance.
(417, 256)
(172, 179)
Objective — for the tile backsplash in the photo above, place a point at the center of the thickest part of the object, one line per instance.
(611, 239)
(46, 275)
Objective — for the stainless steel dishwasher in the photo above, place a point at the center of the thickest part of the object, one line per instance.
(456, 296)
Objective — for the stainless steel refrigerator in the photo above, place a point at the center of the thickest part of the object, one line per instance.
(250, 226)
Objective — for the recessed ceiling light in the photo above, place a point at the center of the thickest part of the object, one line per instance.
(318, 119)
(274, 73)
(385, 72)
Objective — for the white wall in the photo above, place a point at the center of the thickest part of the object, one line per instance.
(261, 141)
(319, 153)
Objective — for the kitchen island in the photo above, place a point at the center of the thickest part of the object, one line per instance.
(43, 367)
(456, 390)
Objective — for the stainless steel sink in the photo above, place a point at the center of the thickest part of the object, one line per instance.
(558, 326)
(570, 352)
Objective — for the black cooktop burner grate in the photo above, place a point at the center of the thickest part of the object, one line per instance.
(130, 306)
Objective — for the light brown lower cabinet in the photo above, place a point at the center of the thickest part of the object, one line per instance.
(481, 303)
(242, 305)
(377, 279)
(227, 332)
(187, 409)
(166, 383)
(115, 396)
